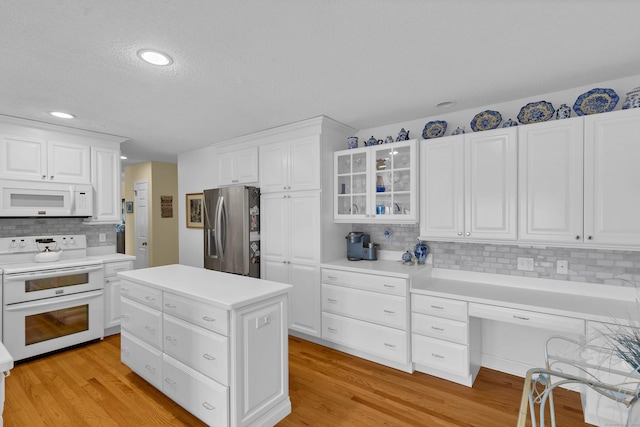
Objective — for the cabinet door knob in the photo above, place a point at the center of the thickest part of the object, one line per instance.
(468, 234)
(578, 237)
(590, 237)
(459, 233)
(44, 177)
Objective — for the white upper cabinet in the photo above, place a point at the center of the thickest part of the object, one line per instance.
(105, 177)
(290, 166)
(238, 167)
(36, 159)
(469, 186)
(377, 184)
(550, 171)
(612, 174)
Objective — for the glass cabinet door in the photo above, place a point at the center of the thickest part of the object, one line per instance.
(351, 183)
(395, 178)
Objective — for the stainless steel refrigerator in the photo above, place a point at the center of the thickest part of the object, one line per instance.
(232, 230)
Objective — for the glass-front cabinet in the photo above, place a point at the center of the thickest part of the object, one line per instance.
(377, 184)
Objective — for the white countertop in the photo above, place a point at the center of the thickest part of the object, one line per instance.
(228, 291)
(380, 267)
(585, 301)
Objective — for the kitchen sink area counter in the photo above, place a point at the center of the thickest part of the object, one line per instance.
(215, 343)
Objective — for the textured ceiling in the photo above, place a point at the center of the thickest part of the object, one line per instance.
(247, 65)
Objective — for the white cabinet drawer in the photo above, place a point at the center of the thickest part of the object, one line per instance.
(369, 282)
(203, 397)
(442, 355)
(212, 318)
(528, 318)
(141, 293)
(198, 348)
(388, 343)
(437, 327)
(141, 321)
(388, 310)
(143, 359)
(441, 307)
(112, 268)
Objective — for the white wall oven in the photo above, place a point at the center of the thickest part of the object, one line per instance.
(48, 306)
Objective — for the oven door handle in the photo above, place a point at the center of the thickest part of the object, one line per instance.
(52, 301)
(50, 273)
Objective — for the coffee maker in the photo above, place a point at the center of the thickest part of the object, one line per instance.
(359, 247)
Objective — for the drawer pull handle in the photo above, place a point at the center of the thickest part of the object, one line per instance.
(125, 316)
(124, 290)
(437, 329)
(119, 269)
(437, 356)
(437, 307)
(520, 317)
(389, 311)
(389, 345)
(332, 330)
(150, 299)
(150, 368)
(169, 381)
(170, 338)
(332, 277)
(389, 286)
(208, 406)
(151, 329)
(208, 356)
(332, 300)
(208, 319)
(170, 306)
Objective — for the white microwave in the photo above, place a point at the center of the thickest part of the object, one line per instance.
(45, 199)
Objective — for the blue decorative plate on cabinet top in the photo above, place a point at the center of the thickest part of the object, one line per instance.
(535, 112)
(434, 129)
(596, 101)
(486, 120)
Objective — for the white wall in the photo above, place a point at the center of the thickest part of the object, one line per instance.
(197, 171)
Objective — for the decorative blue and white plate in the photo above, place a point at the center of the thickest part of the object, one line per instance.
(434, 129)
(596, 101)
(535, 112)
(486, 120)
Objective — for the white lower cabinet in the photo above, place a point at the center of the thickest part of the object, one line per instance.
(226, 367)
(444, 342)
(112, 283)
(367, 315)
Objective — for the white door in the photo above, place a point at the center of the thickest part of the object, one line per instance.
(141, 214)
(442, 188)
(612, 199)
(550, 167)
(491, 190)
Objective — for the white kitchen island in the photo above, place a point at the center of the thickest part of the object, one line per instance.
(215, 343)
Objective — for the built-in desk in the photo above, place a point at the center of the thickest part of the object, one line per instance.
(464, 320)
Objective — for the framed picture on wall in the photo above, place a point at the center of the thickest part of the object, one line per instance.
(194, 210)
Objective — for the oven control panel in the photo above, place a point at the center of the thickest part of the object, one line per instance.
(28, 244)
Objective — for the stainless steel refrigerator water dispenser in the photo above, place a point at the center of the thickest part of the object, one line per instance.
(359, 247)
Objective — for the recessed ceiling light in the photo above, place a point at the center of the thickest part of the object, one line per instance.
(62, 115)
(446, 104)
(154, 57)
(123, 157)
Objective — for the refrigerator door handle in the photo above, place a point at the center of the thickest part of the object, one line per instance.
(219, 229)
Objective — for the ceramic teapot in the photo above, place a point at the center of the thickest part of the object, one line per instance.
(403, 135)
(372, 141)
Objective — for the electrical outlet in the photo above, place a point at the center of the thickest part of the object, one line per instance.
(562, 266)
(525, 264)
(102, 237)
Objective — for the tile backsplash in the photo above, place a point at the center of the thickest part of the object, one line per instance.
(610, 267)
(13, 227)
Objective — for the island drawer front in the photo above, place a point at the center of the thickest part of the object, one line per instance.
(528, 318)
(368, 282)
(388, 343)
(212, 318)
(196, 347)
(440, 307)
(143, 359)
(141, 321)
(141, 293)
(203, 397)
(437, 327)
(112, 268)
(442, 355)
(387, 310)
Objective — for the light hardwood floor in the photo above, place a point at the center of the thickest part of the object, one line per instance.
(88, 386)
